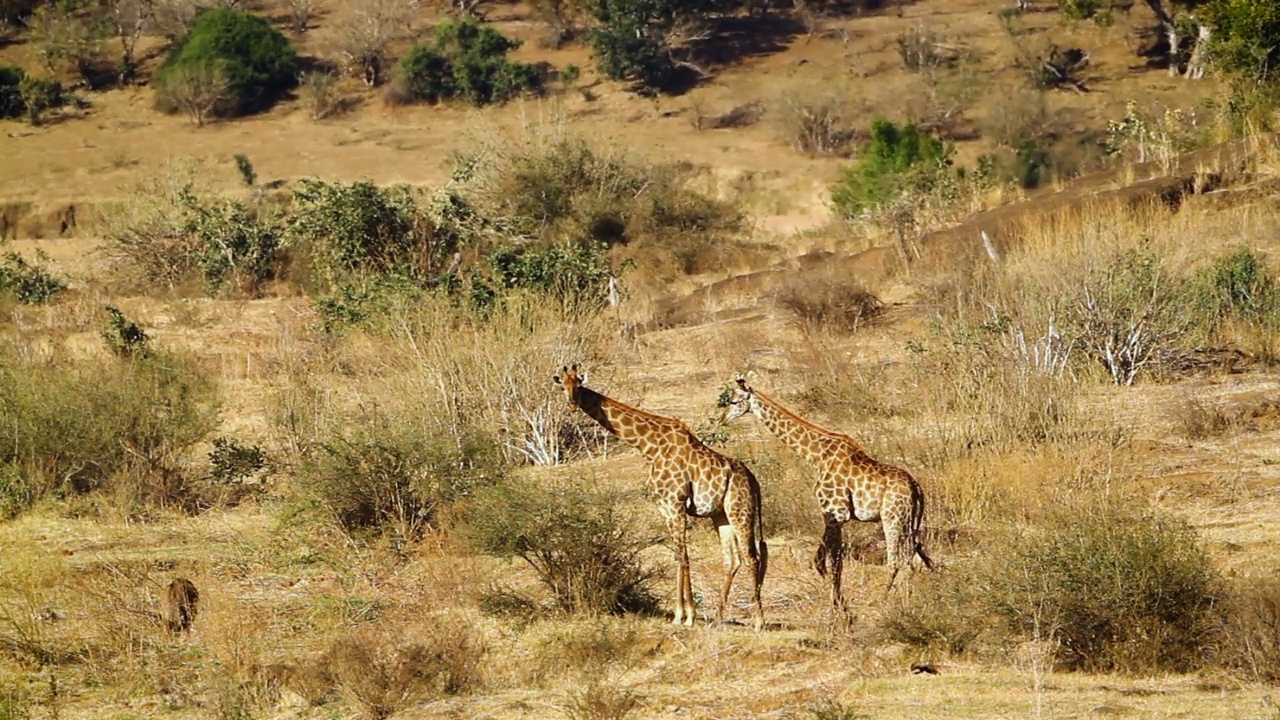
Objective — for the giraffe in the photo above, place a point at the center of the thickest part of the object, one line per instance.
(851, 485)
(686, 478)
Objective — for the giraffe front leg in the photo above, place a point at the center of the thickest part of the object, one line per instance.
(833, 547)
(678, 527)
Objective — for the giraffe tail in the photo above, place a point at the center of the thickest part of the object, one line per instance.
(917, 522)
(762, 548)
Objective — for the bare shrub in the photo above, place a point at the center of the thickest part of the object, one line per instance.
(830, 302)
(65, 42)
(383, 672)
(1252, 633)
(201, 91)
(601, 700)
(923, 50)
(300, 14)
(1198, 420)
(320, 95)
(174, 17)
(814, 121)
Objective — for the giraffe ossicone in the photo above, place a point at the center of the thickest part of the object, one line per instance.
(686, 478)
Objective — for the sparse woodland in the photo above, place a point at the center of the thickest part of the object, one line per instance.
(283, 285)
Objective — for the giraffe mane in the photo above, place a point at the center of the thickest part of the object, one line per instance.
(647, 415)
(793, 417)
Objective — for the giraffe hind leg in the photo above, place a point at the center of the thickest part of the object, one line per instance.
(729, 546)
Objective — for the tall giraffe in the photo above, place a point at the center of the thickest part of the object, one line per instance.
(851, 485)
(686, 478)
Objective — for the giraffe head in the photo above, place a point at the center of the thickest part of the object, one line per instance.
(742, 400)
(570, 380)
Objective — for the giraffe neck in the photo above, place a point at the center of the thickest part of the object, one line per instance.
(800, 435)
(635, 426)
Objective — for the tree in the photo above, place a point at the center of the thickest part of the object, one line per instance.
(128, 19)
(1178, 26)
(256, 61)
(647, 41)
(368, 28)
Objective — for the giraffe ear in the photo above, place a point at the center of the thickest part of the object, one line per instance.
(556, 379)
(574, 367)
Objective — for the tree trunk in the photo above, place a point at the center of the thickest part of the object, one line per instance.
(1195, 65)
(1170, 31)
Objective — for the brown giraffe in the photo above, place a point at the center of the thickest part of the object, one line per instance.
(686, 478)
(851, 485)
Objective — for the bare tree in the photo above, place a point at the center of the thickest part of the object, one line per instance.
(172, 18)
(197, 90)
(1173, 35)
(367, 28)
(128, 20)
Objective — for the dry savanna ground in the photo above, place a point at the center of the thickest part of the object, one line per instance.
(377, 528)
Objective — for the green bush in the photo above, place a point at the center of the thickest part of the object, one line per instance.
(629, 40)
(257, 61)
(122, 426)
(898, 158)
(1237, 286)
(360, 229)
(567, 188)
(11, 104)
(572, 271)
(234, 242)
(39, 95)
(1080, 9)
(28, 284)
(468, 61)
(1117, 591)
(1243, 40)
(393, 479)
(578, 541)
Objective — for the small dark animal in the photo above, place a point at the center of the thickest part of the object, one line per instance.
(181, 603)
(924, 668)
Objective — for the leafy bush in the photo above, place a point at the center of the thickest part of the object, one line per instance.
(898, 158)
(1107, 589)
(361, 228)
(1080, 9)
(39, 95)
(1151, 590)
(1237, 288)
(392, 480)
(576, 271)
(576, 539)
(630, 40)
(564, 187)
(123, 336)
(28, 284)
(467, 61)
(233, 242)
(1243, 37)
(120, 426)
(256, 60)
(11, 104)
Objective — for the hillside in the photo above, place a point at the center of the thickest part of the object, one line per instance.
(351, 462)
